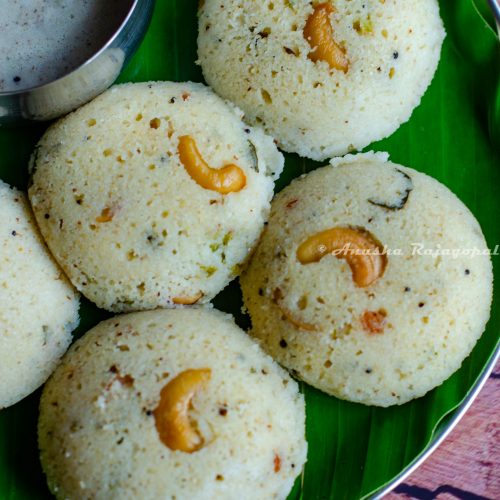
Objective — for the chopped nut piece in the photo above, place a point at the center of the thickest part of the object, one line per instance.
(107, 215)
(297, 323)
(187, 301)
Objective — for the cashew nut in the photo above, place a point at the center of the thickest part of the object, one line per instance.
(358, 247)
(171, 416)
(107, 215)
(187, 301)
(297, 323)
(318, 32)
(228, 179)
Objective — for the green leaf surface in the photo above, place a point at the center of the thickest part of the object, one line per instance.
(454, 136)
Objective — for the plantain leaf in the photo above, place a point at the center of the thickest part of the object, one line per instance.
(353, 450)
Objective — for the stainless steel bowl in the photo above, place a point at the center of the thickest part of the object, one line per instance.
(88, 80)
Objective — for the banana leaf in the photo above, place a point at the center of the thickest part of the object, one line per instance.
(454, 135)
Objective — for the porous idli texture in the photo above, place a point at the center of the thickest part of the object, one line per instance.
(130, 224)
(98, 431)
(258, 55)
(383, 341)
(38, 306)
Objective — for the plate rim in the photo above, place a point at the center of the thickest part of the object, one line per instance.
(443, 433)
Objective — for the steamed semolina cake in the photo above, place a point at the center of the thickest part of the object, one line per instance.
(372, 281)
(171, 404)
(38, 306)
(323, 78)
(153, 194)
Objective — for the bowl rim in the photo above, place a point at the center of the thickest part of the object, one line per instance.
(87, 62)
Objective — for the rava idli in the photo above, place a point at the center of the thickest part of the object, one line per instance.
(153, 194)
(171, 404)
(323, 78)
(372, 281)
(38, 306)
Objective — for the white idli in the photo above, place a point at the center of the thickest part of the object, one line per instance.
(38, 306)
(136, 221)
(396, 319)
(99, 415)
(263, 56)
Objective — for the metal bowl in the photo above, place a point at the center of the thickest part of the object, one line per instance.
(88, 80)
